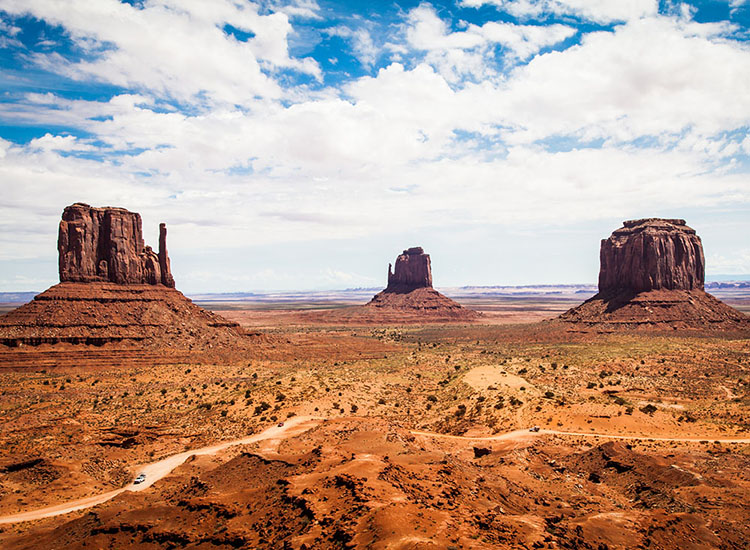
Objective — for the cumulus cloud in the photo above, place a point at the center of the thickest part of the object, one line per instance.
(651, 77)
(362, 43)
(602, 11)
(308, 9)
(477, 126)
(472, 51)
(172, 48)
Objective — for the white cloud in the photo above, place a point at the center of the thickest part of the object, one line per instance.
(308, 9)
(448, 138)
(603, 11)
(363, 46)
(48, 142)
(737, 264)
(651, 77)
(174, 48)
(471, 52)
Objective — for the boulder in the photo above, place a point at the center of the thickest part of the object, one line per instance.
(106, 245)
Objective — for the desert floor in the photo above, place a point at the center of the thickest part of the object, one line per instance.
(414, 436)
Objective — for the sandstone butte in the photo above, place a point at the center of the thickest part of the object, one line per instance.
(106, 244)
(410, 293)
(113, 289)
(652, 274)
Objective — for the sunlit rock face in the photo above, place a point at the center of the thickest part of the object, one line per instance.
(651, 277)
(412, 271)
(106, 244)
(652, 254)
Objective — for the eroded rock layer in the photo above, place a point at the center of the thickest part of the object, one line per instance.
(103, 313)
(656, 309)
(652, 276)
(106, 244)
(652, 254)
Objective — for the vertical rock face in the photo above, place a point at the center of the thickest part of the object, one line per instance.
(106, 244)
(652, 254)
(412, 271)
(164, 265)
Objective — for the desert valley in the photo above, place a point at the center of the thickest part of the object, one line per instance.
(410, 422)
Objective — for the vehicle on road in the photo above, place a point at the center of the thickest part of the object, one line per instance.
(281, 424)
(534, 429)
(140, 479)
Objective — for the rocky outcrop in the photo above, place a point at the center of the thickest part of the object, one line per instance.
(114, 291)
(652, 276)
(164, 264)
(106, 245)
(409, 296)
(98, 313)
(412, 271)
(652, 254)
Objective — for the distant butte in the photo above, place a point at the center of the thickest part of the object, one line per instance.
(413, 271)
(652, 275)
(113, 289)
(410, 293)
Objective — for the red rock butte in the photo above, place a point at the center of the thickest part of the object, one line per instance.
(413, 271)
(106, 244)
(652, 254)
(652, 275)
(410, 296)
(113, 289)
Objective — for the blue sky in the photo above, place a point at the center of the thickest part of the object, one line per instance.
(302, 144)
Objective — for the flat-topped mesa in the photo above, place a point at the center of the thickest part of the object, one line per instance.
(651, 277)
(412, 271)
(106, 244)
(652, 254)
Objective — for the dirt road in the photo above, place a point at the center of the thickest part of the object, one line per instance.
(292, 427)
(157, 470)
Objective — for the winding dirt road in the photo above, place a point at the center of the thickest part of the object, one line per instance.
(294, 426)
(155, 471)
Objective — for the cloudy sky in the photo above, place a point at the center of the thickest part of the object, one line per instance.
(302, 144)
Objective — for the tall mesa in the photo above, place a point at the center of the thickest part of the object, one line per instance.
(106, 244)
